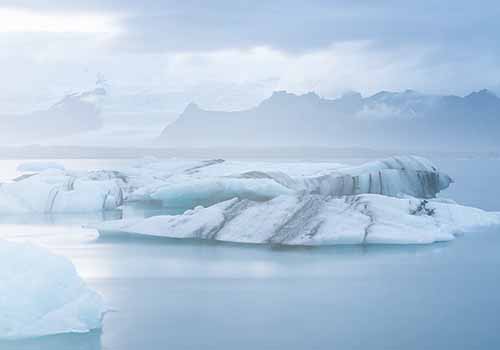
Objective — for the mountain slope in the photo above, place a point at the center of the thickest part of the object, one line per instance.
(75, 113)
(387, 119)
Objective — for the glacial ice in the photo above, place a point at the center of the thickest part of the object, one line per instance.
(259, 202)
(41, 294)
(313, 219)
(212, 191)
(54, 191)
(394, 176)
(186, 183)
(387, 201)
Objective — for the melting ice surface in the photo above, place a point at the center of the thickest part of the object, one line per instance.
(166, 291)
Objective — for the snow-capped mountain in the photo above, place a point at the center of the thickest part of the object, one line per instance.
(73, 114)
(405, 119)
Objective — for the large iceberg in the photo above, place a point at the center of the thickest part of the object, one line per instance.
(387, 201)
(186, 184)
(314, 219)
(391, 200)
(41, 294)
(394, 176)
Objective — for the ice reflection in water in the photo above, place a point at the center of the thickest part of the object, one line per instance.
(87, 341)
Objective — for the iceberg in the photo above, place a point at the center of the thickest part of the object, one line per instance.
(187, 184)
(389, 201)
(41, 294)
(55, 191)
(313, 219)
(394, 176)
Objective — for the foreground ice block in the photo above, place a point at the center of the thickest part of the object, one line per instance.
(41, 294)
(313, 219)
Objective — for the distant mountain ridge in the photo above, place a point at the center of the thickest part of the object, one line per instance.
(74, 113)
(407, 119)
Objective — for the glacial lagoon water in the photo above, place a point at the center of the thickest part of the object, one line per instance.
(171, 294)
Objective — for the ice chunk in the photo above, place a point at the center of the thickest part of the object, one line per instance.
(313, 219)
(41, 294)
(60, 192)
(211, 191)
(186, 184)
(394, 176)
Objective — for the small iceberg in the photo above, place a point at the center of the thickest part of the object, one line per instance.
(41, 294)
(56, 191)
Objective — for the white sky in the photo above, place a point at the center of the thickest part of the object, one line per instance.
(231, 54)
(25, 21)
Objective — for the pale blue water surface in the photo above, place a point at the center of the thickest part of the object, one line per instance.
(171, 294)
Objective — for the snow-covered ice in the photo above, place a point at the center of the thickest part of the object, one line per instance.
(56, 191)
(41, 294)
(187, 183)
(384, 201)
(214, 181)
(314, 219)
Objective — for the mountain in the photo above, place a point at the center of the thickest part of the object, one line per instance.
(407, 119)
(73, 114)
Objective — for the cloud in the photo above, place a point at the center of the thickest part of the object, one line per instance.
(289, 25)
(234, 53)
(27, 21)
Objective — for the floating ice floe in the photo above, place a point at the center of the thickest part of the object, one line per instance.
(187, 183)
(41, 294)
(394, 176)
(386, 201)
(54, 191)
(261, 202)
(314, 219)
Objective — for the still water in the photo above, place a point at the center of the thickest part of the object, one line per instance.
(171, 294)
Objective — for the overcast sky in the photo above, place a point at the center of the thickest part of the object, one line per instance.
(230, 54)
